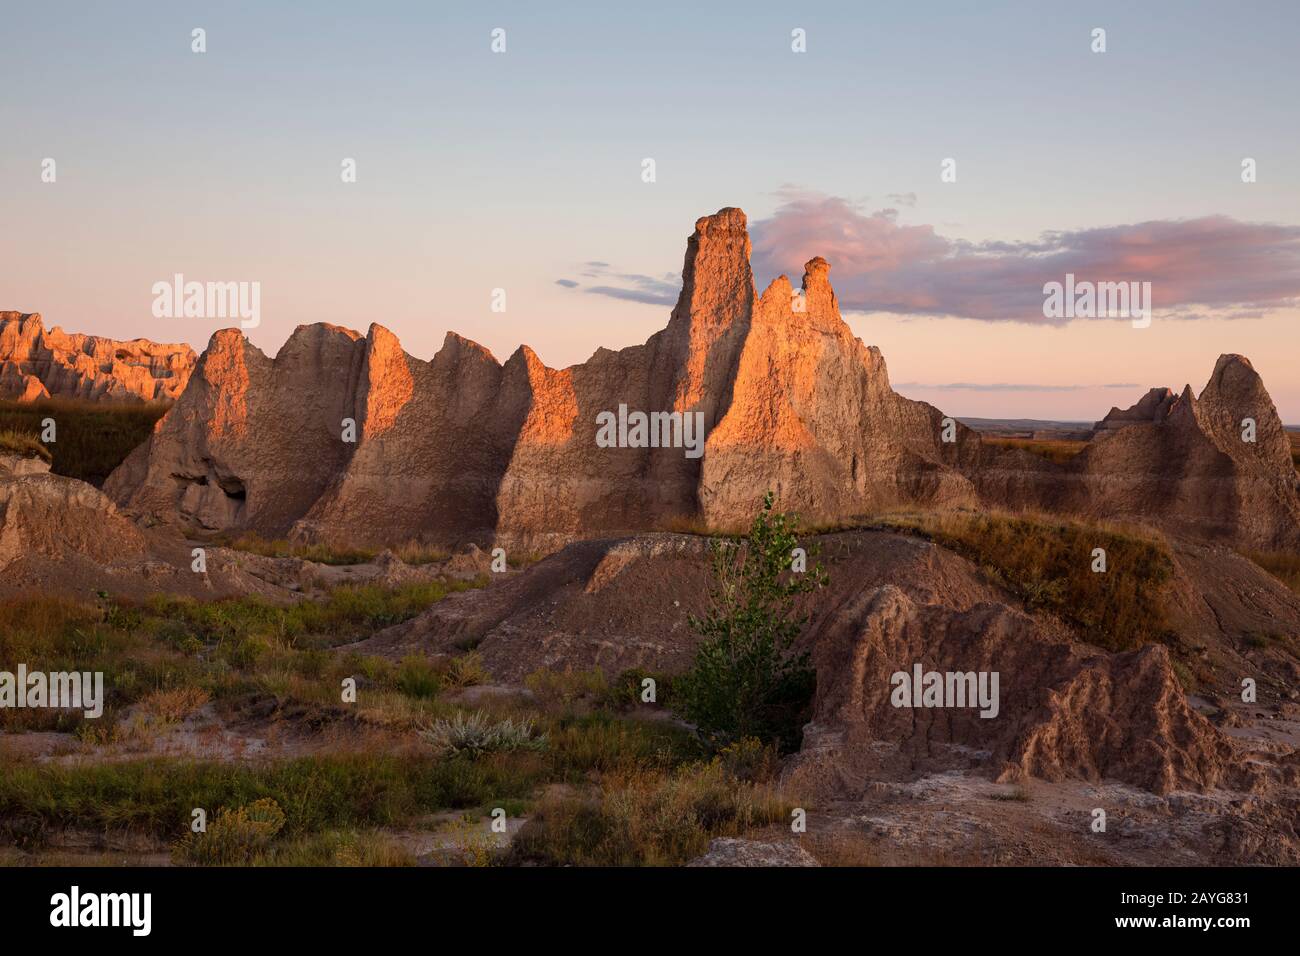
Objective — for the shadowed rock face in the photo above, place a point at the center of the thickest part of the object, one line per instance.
(1064, 710)
(1192, 464)
(464, 448)
(37, 363)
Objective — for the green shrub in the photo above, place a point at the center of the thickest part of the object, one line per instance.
(747, 680)
(628, 687)
(417, 677)
(234, 837)
(466, 670)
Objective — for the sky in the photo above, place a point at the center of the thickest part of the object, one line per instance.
(523, 170)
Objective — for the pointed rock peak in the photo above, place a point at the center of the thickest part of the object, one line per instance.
(388, 381)
(778, 292)
(719, 246)
(1154, 406)
(822, 306)
(1183, 408)
(1233, 376)
(226, 340)
(1229, 359)
(526, 358)
(879, 373)
(316, 336)
(382, 344)
(380, 340)
(717, 284)
(454, 344)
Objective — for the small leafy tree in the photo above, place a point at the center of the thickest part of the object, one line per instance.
(747, 680)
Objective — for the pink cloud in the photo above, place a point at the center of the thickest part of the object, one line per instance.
(1214, 263)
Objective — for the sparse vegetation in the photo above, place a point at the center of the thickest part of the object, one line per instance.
(568, 686)
(1015, 795)
(1055, 450)
(646, 818)
(166, 659)
(174, 704)
(155, 796)
(14, 442)
(172, 653)
(747, 680)
(411, 552)
(1047, 562)
(1283, 565)
(233, 837)
(466, 670)
(477, 734)
(93, 437)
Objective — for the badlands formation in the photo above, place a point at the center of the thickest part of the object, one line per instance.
(345, 439)
(38, 363)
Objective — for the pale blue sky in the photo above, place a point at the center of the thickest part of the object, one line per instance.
(479, 170)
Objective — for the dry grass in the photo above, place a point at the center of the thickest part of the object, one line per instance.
(335, 848)
(176, 704)
(465, 671)
(687, 524)
(1283, 565)
(566, 687)
(14, 442)
(410, 553)
(1056, 450)
(92, 438)
(1047, 562)
(647, 818)
(842, 848)
(280, 548)
(1295, 449)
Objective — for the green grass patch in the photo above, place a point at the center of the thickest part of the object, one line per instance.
(316, 794)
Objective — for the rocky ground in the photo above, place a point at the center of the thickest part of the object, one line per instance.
(1199, 777)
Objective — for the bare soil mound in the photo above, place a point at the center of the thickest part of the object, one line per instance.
(1068, 710)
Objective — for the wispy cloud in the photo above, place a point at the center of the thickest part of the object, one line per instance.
(629, 286)
(1214, 265)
